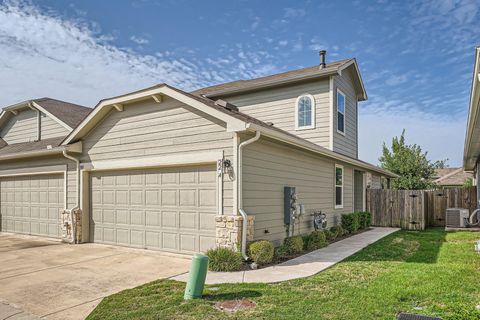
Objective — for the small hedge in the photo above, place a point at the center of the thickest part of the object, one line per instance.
(365, 219)
(261, 251)
(336, 231)
(355, 221)
(280, 252)
(351, 222)
(223, 259)
(293, 245)
(315, 240)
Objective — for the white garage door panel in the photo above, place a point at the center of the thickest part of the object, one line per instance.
(32, 204)
(165, 209)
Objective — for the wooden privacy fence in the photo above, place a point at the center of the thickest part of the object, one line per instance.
(417, 209)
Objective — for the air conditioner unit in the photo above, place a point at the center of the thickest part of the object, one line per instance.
(455, 217)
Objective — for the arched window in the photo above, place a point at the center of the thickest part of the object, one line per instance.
(305, 112)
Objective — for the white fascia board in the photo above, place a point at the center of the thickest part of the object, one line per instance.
(232, 122)
(472, 114)
(31, 154)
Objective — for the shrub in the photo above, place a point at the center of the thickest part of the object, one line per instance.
(316, 240)
(293, 244)
(337, 231)
(365, 219)
(223, 259)
(280, 252)
(351, 222)
(261, 251)
(330, 235)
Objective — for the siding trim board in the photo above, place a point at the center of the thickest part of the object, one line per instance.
(183, 159)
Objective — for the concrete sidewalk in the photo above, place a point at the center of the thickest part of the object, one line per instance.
(303, 266)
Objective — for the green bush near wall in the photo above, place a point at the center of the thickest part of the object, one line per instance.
(352, 222)
(261, 251)
(293, 245)
(223, 259)
(315, 240)
(365, 219)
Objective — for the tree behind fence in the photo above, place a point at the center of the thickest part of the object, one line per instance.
(417, 209)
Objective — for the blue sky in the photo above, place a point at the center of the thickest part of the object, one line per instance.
(416, 57)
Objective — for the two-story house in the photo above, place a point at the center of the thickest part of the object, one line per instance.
(165, 169)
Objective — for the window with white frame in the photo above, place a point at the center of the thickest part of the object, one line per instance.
(338, 186)
(305, 112)
(340, 112)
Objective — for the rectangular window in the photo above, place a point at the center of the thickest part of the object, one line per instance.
(340, 112)
(338, 186)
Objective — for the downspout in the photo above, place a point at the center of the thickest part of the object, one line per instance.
(239, 190)
(77, 205)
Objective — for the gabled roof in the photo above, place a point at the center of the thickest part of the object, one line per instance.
(309, 73)
(69, 115)
(235, 121)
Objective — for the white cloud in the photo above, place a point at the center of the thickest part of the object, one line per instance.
(139, 40)
(43, 54)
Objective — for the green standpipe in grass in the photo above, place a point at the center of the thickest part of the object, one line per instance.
(196, 277)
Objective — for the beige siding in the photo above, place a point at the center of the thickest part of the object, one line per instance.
(346, 144)
(21, 128)
(150, 129)
(278, 106)
(359, 190)
(51, 128)
(269, 167)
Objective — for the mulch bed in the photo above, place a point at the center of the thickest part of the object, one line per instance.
(246, 266)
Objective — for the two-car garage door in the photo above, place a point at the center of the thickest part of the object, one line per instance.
(169, 209)
(32, 204)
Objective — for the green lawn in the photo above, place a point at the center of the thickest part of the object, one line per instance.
(429, 272)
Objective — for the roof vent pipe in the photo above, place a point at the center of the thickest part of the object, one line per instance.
(322, 53)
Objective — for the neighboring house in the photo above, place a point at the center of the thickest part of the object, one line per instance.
(164, 169)
(471, 152)
(451, 177)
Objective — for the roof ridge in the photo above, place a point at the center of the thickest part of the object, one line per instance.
(280, 74)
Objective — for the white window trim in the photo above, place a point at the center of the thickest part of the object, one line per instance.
(344, 111)
(312, 99)
(340, 206)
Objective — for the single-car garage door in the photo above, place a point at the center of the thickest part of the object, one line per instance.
(32, 204)
(170, 209)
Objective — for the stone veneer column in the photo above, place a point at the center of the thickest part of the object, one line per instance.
(67, 230)
(229, 231)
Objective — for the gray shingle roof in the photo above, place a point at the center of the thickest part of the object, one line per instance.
(30, 146)
(253, 83)
(70, 113)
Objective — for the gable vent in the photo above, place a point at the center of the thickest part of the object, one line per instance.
(226, 105)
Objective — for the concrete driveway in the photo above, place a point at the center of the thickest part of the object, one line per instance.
(59, 281)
